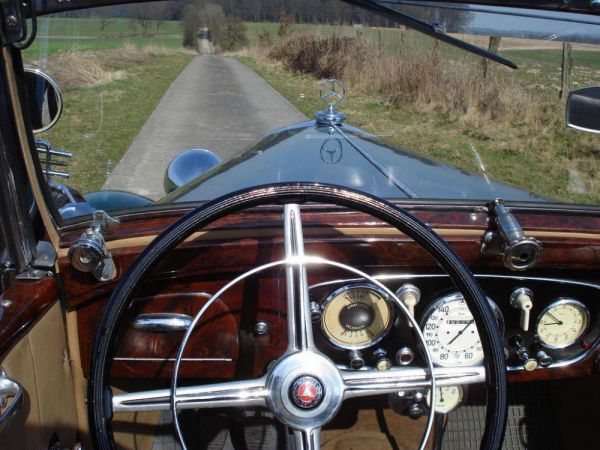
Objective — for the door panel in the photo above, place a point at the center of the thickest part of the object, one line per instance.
(39, 363)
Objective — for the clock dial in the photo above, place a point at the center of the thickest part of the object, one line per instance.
(562, 323)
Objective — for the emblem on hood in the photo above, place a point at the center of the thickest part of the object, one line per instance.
(332, 92)
(331, 151)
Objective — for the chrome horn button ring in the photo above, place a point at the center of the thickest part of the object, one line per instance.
(311, 370)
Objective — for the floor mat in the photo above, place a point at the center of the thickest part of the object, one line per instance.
(531, 422)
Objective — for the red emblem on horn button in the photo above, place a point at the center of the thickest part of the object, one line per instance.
(306, 392)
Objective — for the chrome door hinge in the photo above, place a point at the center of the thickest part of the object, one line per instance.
(43, 263)
(505, 237)
(90, 253)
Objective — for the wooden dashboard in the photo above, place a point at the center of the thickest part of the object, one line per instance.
(226, 344)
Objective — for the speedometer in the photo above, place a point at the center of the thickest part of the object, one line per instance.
(356, 316)
(450, 332)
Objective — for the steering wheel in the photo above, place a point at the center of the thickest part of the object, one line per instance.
(301, 365)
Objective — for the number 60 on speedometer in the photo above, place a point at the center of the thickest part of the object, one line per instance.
(450, 331)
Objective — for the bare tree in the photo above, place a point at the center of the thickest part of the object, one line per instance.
(141, 15)
(212, 17)
(190, 23)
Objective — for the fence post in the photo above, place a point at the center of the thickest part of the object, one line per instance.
(566, 70)
(493, 47)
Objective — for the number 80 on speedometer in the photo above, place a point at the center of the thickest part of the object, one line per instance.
(451, 334)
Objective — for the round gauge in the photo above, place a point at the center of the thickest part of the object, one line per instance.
(451, 334)
(447, 398)
(356, 316)
(562, 323)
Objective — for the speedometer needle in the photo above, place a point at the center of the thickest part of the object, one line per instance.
(461, 332)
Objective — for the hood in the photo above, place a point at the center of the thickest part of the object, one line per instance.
(311, 152)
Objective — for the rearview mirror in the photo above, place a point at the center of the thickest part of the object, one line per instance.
(44, 99)
(583, 109)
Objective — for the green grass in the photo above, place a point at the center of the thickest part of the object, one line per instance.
(58, 34)
(539, 163)
(100, 122)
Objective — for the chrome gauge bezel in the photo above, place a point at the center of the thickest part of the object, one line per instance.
(384, 295)
(563, 301)
(453, 296)
(461, 398)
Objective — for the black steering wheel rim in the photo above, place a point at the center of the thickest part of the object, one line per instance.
(99, 398)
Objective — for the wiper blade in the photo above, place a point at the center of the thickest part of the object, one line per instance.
(388, 174)
(433, 31)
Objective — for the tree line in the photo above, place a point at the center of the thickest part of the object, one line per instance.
(299, 11)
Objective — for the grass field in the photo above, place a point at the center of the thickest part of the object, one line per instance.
(57, 34)
(111, 83)
(540, 154)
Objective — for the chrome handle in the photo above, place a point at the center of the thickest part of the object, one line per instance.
(162, 322)
(9, 389)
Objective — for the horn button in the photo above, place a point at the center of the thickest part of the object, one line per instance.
(306, 389)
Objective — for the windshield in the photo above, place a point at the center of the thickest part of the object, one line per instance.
(144, 84)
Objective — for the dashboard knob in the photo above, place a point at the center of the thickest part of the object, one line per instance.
(384, 364)
(415, 411)
(544, 359)
(405, 356)
(356, 360)
(410, 296)
(529, 362)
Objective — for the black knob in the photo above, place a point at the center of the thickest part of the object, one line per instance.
(415, 411)
(356, 360)
(529, 362)
(543, 358)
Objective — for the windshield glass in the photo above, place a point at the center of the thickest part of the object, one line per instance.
(146, 83)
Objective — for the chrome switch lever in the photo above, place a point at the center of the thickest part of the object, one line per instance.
(9, 389)
(522, 299)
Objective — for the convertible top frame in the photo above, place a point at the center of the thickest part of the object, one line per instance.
(574, 6)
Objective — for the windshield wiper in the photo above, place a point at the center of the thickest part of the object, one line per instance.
(433, 31)
(406, 190)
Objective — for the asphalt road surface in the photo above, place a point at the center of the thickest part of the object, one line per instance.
(215, 103)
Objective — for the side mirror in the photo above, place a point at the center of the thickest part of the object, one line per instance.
(583, 109)
(188, 165)
(44, 99)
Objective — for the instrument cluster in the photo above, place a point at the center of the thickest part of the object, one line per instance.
(544, 322)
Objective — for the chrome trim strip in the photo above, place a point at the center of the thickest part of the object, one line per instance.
(407, 276)
(162, 322)
(124, 358)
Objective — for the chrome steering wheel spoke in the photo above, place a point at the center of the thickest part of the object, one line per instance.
(363, 383)
(307, 439)
(300, 336)
(247, 393)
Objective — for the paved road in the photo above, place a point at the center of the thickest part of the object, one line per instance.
(216, 103)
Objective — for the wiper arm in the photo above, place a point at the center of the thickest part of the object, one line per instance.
(433, 31)
(406, 190)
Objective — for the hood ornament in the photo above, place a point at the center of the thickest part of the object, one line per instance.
(332, 93)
